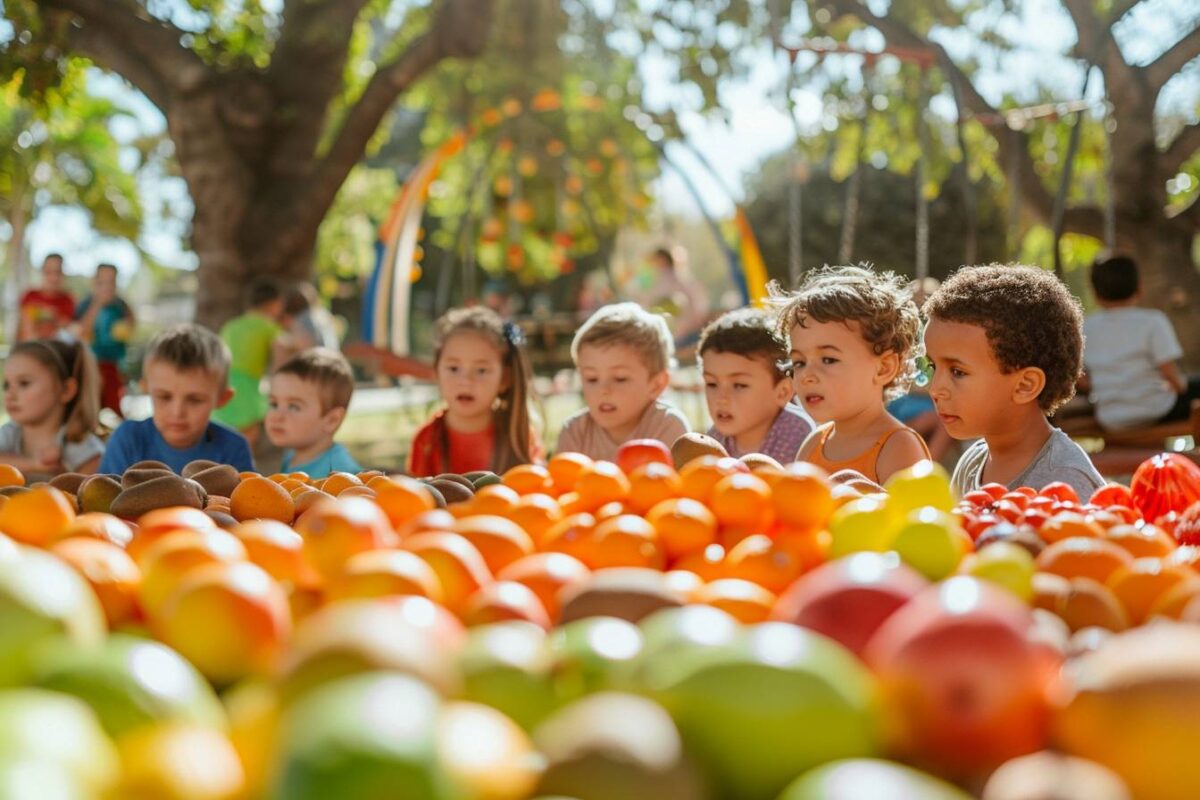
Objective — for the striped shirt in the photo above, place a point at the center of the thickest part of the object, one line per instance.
(789, 430)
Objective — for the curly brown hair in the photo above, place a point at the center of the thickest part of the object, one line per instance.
(1030, 317)
(879, 302)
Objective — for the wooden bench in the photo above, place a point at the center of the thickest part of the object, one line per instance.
(1122, 451)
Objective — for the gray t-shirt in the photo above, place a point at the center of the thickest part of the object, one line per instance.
(1060, 459)
(73, 453)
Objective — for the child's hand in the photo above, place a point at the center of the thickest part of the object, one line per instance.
(51, 459)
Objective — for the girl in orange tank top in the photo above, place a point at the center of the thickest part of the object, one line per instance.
(853, 336)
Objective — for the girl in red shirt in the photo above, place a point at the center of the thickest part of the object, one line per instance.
(484, 378)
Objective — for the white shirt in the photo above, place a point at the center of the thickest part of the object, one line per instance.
(1123, 349)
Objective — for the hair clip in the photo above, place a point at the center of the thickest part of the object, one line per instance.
(514, 335)
(924, 372)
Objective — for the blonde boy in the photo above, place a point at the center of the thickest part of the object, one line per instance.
(623, 354)
(186, 374)
(309, 395)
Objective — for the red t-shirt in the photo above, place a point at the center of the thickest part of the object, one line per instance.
(50, 311)
(469, 452)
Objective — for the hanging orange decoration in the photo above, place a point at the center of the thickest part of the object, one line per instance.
(522, 212)
(573, 184)
(608, 148)
(490, 117)
(527, 166)
(504, 186)
(511, 107)
(556, 147)
(546, 100)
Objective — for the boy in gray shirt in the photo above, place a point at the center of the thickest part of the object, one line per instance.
(1005, 347)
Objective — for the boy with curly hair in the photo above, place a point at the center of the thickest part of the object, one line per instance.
(1005, 344)
(852, 333)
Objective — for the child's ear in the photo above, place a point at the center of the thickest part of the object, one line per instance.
(331, 420)
(659, 384)
(224, 397)
(784, 391)
(70, 390)
(889, 368)
(1028, 386)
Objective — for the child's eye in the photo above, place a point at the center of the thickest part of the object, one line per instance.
(740, 386)
(710, 385)
(957, 373)
(829, 360)
(293, 407)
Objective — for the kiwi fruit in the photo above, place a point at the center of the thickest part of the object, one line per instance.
(150, 464)
(439, 499)
(459, 479)
(693, 445)
(220, 479)
(485, 479)
(158, 492)
(68, 482)
(199, 465)
(452, 491)
(97, 493)
(133, 476)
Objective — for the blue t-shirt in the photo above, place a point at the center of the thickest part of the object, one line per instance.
(139, 440)
(335, 459)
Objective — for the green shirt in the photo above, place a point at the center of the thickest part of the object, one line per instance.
(249, 338)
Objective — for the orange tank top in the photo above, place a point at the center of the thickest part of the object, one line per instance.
(864, 462)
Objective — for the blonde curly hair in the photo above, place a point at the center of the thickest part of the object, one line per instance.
(880, 303)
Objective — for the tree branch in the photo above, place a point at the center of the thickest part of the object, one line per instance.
(1096, 45)
(151, 41)
(1184, 147)
(1163, 68)
(1119, 10)
(108, 54)
(460, 30)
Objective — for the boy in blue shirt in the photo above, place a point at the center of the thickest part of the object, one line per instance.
(309, 395)
(186, 373)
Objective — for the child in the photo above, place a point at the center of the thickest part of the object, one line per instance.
(255, 339)
(623, 354)
(484, 378)
(105, 320)
(52, 396)
(748, 389)
(1131, 354)
(46, 311)
(1005, 344)
(186, 373)
(310, 393)
(852, 332)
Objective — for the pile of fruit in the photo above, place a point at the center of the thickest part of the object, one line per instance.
(686, 626)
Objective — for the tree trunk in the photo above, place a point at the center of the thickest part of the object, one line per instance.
(17, 260)
(1170, 281)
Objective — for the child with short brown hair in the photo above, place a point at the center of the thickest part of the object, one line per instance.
(307, 403)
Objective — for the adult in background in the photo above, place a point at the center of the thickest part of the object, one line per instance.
(675, 291)
(309, 323)
(106, 322)
(47, 309)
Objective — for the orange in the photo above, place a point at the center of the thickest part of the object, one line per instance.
(683, 583)
(742, 501)
(1066, 525)
(746, 602)
(336, 529)
(154, 525)
(436, 519)
(261, 498)
(165, 565)
(1187, 555)
(683, 525)
(11, 476)
(500, 541)
(291, 484)
(337, 481)
(1083, 557)
(307, 498)
(357, 491)
(802, 497)
(229, 620)
(368, 475)
(625, 541)
(278, 549)
(401, 498)
(527, 479)
(603, 483)
(536, 513)
(609, 510)
(811, 547)
(1140, 584)
(546, 574)
(278, 477)
(248, 474)
(458, 564)
(571, 503)
(1147, 541)
(494, 499)
(571, 535)
(761, 560)
(730, 538)
(708, 563)
(1173, 601)
(111, 572)
(652, 483)
(36, 517)
(380, 573)
(98, 525)
(700, 475)
(565, 469)
(502, 601)
(301, 476)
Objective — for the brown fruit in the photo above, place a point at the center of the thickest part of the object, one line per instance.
(133, 477)
(68, 482)
(158, 492)
(220, 479)
(452, 491)
(630, 593)
(150, 464)
(97, 493)
(199, 465)
(692, 445)
(459, 479)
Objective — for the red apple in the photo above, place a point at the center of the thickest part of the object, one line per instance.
(966, 678)
(848, 599)
(637, 452)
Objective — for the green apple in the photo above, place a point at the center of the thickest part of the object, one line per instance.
(925, 483)
(363, 737)
(869, 777)
(868, 523)
(41, 599)
(486, 754)
(1005, 564)
(932, 542)
(591, 654)
(45, 780)
(37, 725)
(507, 666)
(130, 682)
(781, 700)
(673, 632)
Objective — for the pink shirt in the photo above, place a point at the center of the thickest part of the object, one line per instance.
(581, 434)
